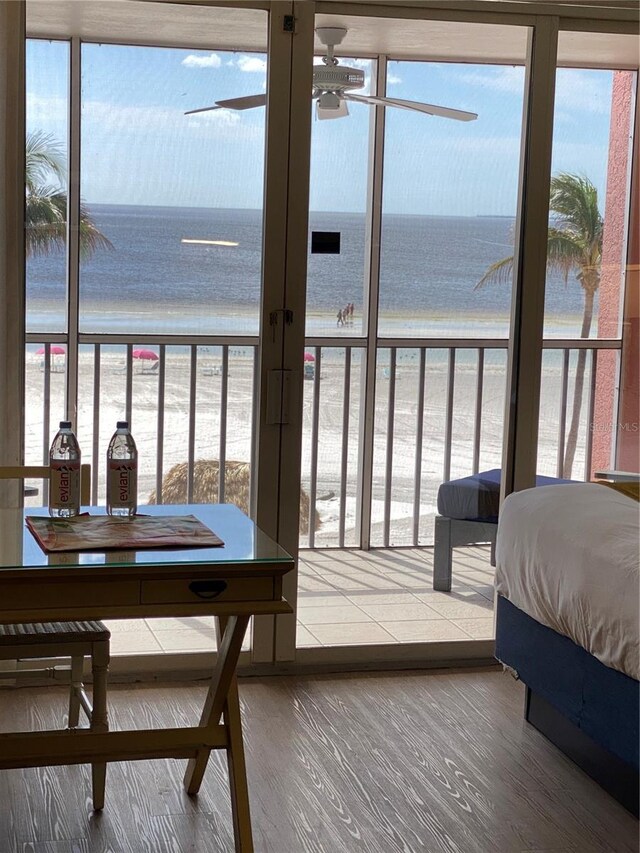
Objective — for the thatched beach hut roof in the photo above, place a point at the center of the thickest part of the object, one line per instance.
(237, 480)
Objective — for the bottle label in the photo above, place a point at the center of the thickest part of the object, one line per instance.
(64, 485)
(122, 485)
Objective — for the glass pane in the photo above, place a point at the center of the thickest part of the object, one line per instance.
(587, 250)
(450, 197)
(176, 199)
(589, 202)
(338, 203)
(330, 446)
(44, 401)
(176, 398)
(47, 84)
(449, 428)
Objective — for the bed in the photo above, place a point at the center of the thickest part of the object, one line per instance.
(567, 623)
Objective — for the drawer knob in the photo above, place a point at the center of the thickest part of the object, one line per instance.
(207, 589)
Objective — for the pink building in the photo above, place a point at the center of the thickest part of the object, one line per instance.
(620, 251)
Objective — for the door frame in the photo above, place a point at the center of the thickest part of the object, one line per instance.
(527, 311)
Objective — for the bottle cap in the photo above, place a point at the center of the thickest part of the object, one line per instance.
(122, 425)
(65, 424)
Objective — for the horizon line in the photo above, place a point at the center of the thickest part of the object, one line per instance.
(350, 212)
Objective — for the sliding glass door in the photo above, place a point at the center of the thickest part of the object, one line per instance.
(405, 355)
(329, 378)
(424, 315)
(150, 278)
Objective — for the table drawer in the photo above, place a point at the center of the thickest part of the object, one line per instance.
(20, 595)
(207, 589)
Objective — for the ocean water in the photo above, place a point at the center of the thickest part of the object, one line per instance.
(154, 282)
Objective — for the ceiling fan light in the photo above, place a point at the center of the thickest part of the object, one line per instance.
(329, 101)
(332, 111)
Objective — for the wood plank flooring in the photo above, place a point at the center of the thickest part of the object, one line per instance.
(429, 761)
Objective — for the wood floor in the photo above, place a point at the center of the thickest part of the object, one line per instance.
(337, 764)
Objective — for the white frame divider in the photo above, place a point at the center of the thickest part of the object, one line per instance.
(372, 280)
(74, 147)
(519, 455)
(12, 265)
(295, 296)
(286, 207)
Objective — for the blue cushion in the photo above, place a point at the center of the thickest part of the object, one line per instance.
(477, 498)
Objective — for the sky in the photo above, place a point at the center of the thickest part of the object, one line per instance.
(138, 147)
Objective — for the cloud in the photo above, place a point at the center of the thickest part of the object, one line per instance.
(576, 89)
(393, 79)
(365, 64)
(508, 78)
(121, 122)
(583, 91)
(223, 118)
(210, 61)
(45, 110)
(251, 64)
(129, 118)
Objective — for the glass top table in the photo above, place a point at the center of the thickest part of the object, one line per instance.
(233, 582)
(244, 543)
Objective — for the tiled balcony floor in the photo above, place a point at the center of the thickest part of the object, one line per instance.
(352, 597)
(387, 596)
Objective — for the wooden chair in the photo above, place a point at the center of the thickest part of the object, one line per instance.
(75, 640)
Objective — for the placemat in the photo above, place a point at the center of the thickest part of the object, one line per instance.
(107, 533)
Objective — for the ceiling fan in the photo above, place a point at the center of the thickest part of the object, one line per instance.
(332, 85)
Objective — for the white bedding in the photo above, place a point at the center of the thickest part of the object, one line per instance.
(568, 556)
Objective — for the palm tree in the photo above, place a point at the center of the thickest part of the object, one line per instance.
(574, 243)
(46, 205)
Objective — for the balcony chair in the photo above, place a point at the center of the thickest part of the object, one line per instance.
(468, 516)
(75, 640)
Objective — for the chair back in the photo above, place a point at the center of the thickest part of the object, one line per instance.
(43, 472)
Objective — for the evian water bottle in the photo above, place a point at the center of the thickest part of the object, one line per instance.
(64, 483)
(122, 473)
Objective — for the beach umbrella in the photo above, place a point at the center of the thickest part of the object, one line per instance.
(145, 354)
(309, 357)
(54, 349)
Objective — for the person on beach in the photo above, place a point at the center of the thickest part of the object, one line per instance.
(340, 318)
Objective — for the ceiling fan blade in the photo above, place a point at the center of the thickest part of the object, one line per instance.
(323, 113)
(201, 110)
(416, 106)
(247, 103)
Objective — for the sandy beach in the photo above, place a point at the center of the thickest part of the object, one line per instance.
(177, 397)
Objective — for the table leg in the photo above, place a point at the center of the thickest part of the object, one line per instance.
(99, 716)
(231, 631)
(237, 772)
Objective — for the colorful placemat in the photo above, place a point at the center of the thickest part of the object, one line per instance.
(107, 533)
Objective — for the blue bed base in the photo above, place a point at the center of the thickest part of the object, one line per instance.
(591, 711)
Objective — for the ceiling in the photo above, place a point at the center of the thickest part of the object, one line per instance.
(246, 29)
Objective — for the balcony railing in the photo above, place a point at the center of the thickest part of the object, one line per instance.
(439, 408)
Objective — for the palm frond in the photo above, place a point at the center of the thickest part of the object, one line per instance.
(575, 201)
(500, 272)
(565, 251)
(46, 224)
(575, 237)
(90, 237)
(43, 157)
(45, 221)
